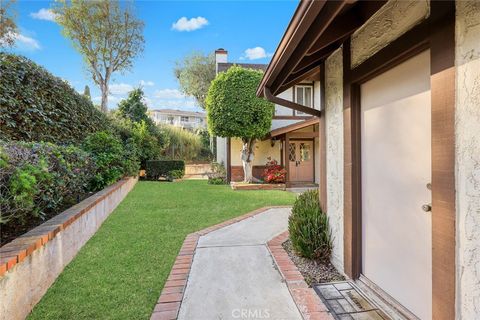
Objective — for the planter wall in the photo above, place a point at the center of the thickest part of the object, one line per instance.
(197, 170)
(31, 263)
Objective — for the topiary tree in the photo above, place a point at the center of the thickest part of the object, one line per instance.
(233, 110)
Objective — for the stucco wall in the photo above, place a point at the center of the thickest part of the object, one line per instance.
(263, 150)
(385, 26)
(221, 156)
(334, 133)
(25, 284)
(467, 135)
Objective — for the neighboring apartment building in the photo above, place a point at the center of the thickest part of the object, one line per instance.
(179, 118)
(292, 141)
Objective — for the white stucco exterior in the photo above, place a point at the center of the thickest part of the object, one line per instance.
(467, 159)
(334, 133)
(394, 19)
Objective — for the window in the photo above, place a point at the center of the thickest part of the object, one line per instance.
(292, 152)
(305, 151)
(170, 119)
(304, 96)
(184, 119)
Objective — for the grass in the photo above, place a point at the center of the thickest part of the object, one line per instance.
(120, 272)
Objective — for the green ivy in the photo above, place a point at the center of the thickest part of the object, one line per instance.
(37, 106)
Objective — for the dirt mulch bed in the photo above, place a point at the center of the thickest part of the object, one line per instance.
(313, 271)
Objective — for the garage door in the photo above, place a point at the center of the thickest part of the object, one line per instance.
(396, 172)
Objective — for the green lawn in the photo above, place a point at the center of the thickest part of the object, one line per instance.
(120, 272)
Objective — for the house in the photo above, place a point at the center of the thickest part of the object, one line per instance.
(292, 141)
(179, 118)
(399, 121)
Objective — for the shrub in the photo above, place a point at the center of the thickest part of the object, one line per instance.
(218, 174)
(274, 173)
(309, 229)
(180, 144)
(163, 168)
(113, 161)
(177, 174)
(39, 179)
(37, 106)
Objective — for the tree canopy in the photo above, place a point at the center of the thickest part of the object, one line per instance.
(233, 109)
(8, 27)
(106, 33)
(194, 73)
(134, 107)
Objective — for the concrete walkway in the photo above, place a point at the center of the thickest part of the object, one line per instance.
(233, 274)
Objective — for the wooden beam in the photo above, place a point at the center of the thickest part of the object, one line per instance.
(306, 135)
(442, 84)
(289, 104)
(286, 152)
(342, 27)
(322, 142)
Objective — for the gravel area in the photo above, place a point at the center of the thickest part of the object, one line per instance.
(313, 271)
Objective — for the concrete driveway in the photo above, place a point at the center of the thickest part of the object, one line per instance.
(233, 274)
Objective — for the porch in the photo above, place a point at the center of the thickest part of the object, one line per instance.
(295, 147)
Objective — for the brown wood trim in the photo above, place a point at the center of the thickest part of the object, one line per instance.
(442, 42)
(292, 117)
(290, 104)
(229, 161)
(322, 142)
(286, 161)
(351, 171)
(438, 34)
(302, 135)
(292, 127)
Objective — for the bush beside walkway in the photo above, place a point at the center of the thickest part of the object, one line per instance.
(120, 272)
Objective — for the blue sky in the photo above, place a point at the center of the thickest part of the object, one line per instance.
(249, 30)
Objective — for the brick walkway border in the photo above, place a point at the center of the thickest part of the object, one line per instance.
(307, 301)
(168, 305)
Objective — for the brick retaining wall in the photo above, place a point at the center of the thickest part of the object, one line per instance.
(31, 263)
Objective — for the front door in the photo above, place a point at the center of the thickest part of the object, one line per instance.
(300, 161)
(396, 172)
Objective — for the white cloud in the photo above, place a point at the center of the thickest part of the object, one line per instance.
(256, 53)
(169, 94)
(144, 83)
(23, 42)
(184, 24)
(120, 88)
(44, 14)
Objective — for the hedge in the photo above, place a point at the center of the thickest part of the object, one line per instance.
(165, 169)
(37, 106)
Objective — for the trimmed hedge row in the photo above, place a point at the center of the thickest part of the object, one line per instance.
(37, 106)
(165, 169)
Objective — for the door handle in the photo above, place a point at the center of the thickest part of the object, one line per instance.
(427, 207)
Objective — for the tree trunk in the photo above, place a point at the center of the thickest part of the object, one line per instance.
(104, 89)
(247, 160)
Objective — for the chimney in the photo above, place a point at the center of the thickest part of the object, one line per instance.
(220, 57)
